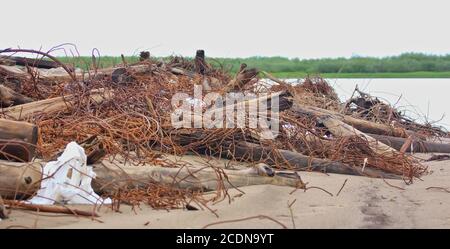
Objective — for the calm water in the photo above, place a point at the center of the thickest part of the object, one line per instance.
(423, 99)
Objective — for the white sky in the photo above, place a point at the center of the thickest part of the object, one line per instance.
(304, 29)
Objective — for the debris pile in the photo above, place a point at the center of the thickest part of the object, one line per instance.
(123, 117)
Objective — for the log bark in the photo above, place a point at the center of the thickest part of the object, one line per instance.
(22, 112)
(229, 112)
(19, 180)
(144, 56)
(111, 177)
(9, 97)
(3, 214)
(61, 75)
(39, 63)
(201, 66)
(123, 75)
(340, 129)
(13, 71)
(297, 161)
(241, 79)
(4, 60)
(17, 140)
(360, 124)
(181, 71)
(418, 145)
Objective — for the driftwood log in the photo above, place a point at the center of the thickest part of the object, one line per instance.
(293, 160)
(61, 75)
(181, 71)
(39, 63)
(17, 140)
(341, 129)
(360, 124)
(144, 56)
(12, 77)
(111, 177)
(229, 112)
(3, 214)
(9, 97)
(201, 66)
(418, 145)
(22, 112)
(244, 76)
(20, 180)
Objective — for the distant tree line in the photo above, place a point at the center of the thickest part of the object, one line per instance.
(408, 62)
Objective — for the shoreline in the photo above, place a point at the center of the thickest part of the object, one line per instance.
(362, 203)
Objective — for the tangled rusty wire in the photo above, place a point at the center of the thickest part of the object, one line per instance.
(158, 196)
(367, 107)
(135, 123)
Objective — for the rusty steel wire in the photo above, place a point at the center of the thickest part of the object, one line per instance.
(135, 124)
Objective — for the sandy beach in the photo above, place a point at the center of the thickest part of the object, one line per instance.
(362, 203)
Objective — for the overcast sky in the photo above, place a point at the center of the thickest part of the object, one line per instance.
(304, 29)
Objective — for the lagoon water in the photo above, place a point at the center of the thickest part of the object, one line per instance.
(423, 99)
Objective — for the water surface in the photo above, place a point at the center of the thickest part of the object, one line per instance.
(421, 99)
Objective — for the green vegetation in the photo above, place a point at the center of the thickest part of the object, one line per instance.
(409, 65)
(292, 75)
(104, 61)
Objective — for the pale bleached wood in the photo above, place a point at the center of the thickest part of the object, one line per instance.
(22, 112)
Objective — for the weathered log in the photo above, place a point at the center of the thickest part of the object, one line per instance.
(13, 77)
(111, 177)
(180, 71)
(242, 67)
(144, 56)
(17, 140)
(273, 78)
(39, 63)
(229, 112)
(297, 161)
(241, 79)
(68, 69)
(13, 71)
(418, 145)
(242, 112)
(18, 130)
(5, 60)
(16, 151)
(61, 75)
(3, 214)
(340, 129)
(21, 112)
(284, 101)
(201, 66)
(124, 74)
(360, 124)
(19, 180)
(9, 97)
(211, 84)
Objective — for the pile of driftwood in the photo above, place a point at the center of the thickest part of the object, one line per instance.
(121, 116)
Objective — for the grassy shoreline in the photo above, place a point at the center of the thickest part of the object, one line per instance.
(442, 75)
(402, 66)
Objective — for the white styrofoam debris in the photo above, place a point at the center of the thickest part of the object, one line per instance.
(68, 180)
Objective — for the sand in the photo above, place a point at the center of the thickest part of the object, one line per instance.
(362, 203)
